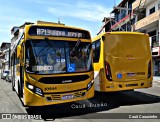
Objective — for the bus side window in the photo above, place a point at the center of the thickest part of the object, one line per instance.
(96, 51)
(16, 61)
(15, 58)
(93, 48)
(23, 52)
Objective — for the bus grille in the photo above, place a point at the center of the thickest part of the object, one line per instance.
(57, 97)
(62, 79)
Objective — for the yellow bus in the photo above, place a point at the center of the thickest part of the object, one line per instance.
(51, 63)
(122, 61)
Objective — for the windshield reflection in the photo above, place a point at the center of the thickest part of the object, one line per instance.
(46, 57)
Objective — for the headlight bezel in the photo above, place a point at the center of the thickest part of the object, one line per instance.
(89, 85)
(34, 89)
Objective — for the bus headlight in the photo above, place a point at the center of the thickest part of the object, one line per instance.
(30, 87)
(35, 89)
(90, 85)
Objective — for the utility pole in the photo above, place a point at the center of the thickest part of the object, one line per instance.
(138, 12)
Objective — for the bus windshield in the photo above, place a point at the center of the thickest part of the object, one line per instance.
(51, 57)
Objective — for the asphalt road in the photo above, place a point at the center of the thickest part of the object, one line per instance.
(100, 107)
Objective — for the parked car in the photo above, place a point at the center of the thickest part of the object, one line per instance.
(4, 74)
(8, 77)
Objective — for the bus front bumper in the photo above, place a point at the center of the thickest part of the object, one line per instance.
(32, 99)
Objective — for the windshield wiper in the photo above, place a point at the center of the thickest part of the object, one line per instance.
(75, 48)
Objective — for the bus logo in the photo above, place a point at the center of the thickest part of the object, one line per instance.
(66, 81)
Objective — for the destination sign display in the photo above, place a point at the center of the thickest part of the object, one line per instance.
(58, 32)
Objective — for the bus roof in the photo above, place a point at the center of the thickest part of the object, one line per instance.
(44, 23)
(116, 33)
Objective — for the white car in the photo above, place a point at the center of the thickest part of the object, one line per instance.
(8, 77)
(4, 74)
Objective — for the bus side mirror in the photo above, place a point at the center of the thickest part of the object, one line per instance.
(18, 51)
(103, 38)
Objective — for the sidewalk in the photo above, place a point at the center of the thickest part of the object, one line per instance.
(156, 78)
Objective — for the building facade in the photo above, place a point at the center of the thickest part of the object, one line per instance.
(5, 56)
(148, 21)
(141, 16)
(121, 18)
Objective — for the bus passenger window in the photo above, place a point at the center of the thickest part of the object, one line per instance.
(93, 47)
(96, 51)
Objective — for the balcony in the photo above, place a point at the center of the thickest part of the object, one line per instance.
(122, 22)
(147, 20)
(143, 3)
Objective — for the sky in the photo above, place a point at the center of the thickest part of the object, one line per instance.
(86, 14)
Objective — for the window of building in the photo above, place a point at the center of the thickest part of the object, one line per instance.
(96, 51)
(7, 56)
(157, 68)
(123, 13)
(152, 10)
(154, 39)
(117, 16)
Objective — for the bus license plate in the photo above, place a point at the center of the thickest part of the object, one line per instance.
(131, 74)
(66, 97)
